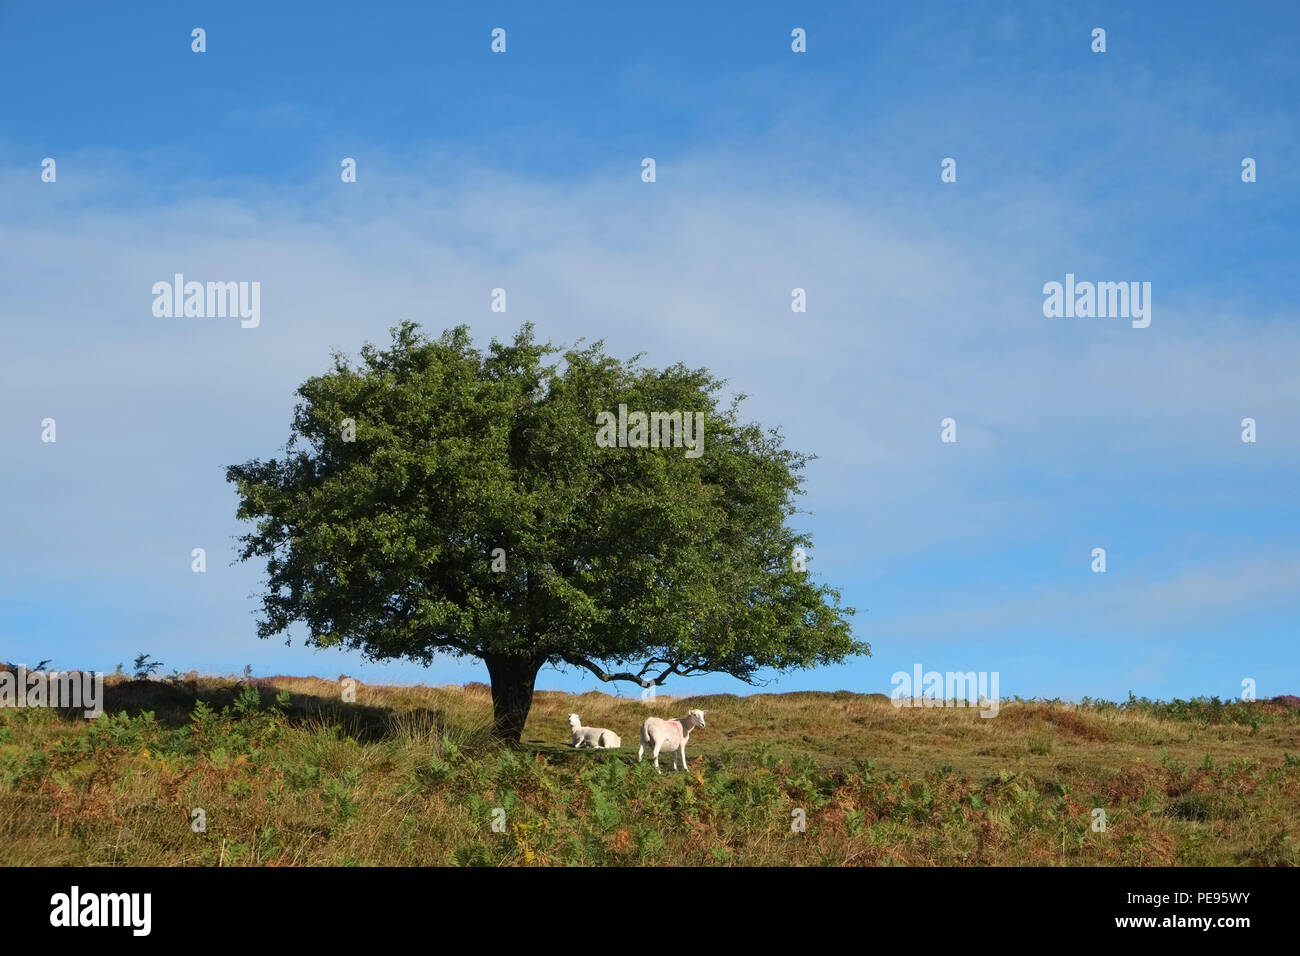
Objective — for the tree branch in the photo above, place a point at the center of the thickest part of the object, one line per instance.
(638, 678)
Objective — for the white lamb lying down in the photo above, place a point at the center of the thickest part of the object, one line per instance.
(595, 737)
(658, 734)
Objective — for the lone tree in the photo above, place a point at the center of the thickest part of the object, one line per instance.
(438, 499)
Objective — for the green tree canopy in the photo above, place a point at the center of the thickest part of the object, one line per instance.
(406, 471)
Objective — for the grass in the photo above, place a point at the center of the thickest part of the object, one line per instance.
(285, 773)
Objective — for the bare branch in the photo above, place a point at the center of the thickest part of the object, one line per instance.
(638, 678)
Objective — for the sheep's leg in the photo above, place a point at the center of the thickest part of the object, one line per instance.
(640, 752)
(658, 744)
(683, 755)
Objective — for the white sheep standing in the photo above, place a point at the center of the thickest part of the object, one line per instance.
(594, 737)
(657, 734)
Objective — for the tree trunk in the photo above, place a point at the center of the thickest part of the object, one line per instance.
(512, 693)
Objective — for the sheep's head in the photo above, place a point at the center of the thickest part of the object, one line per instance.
(574, 721)
(698, 717)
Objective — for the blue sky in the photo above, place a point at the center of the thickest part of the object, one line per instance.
(775, 170)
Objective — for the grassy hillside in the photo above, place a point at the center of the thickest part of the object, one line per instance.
(288, 774)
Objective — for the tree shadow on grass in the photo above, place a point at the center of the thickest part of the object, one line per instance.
(172, 703)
